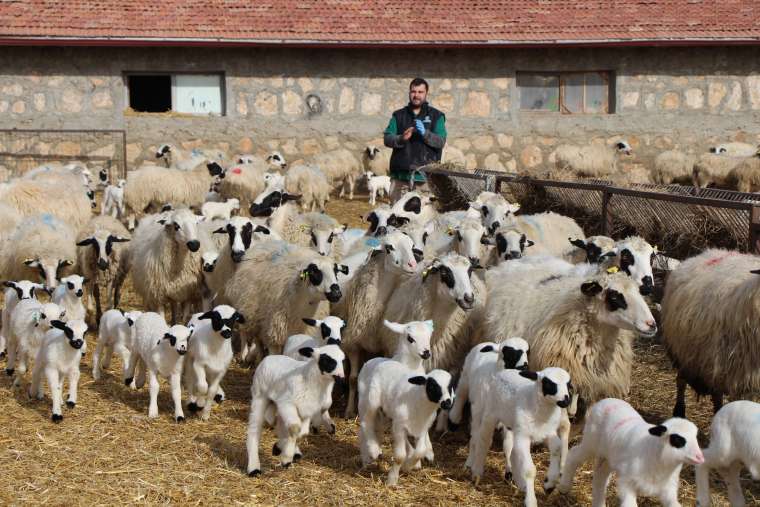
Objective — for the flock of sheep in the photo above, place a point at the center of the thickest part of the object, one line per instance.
(531, 320)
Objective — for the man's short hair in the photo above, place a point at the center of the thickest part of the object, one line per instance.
(418, 81)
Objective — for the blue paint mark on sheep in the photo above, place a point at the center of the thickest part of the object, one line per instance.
(49, 220)
(373, 242)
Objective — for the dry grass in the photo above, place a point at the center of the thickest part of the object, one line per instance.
(106, 451)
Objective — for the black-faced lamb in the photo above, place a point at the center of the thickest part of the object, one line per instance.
(646, 458)
(68, 295)
(29, 322)
(113, 200)
(61, 350)
(377, 186)
(15, 292)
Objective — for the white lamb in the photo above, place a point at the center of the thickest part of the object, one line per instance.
(410, 401)
(209, 357)
(297, 390)
(330, 329)
(646, 458)
(29, 322)
(220, 210)
(15, 292)
(68, 295)
(60, 352)
(113, 200)
(377, 185)
(529, 405)
(115, 334)
(734, 444)
(159, 350)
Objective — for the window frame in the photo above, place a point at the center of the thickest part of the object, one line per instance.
(171, 73)
(561, 75)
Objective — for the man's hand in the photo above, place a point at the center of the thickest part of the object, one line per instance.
(420, 127)
(407, 134)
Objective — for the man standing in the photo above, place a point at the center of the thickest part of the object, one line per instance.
(417, 134)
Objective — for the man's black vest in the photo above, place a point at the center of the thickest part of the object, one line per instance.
(415, 153)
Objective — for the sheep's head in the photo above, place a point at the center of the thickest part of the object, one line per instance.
(399, 252)
(216, 171)
(223, 318)
(163, 151)
(378, 220)
(411, 205)
(102, 241)
(453, 271)
(414, 337)
(74, 284)
(468, 239)
(371, 151)
(419, 235)
(208, 261)
(322, 238)
(510, 243)
(48, 313)
(617, 302)
(24, 289)
(240, 231)
(718, 150)
(679, 441)
(330, 327)
(513, 351)
(277, 160)
(597, 248)
(74, 331)
(183, 225)
(49, 269)
(103, 176)
(438, 387)
(121, 183)
(178, 337)
(495, 211)
(270, 202)
(554, 384)
(623, 147)
(329, 359)
(635, 257)
(321, 275)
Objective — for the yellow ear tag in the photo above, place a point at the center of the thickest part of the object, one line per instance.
(303, 275)
(450, 231)
(304, 228)
(612, 270)
(425, 272)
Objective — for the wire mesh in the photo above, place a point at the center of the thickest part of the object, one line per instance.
(23, 150)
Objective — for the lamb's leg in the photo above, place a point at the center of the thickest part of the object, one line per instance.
(427, 445)
(462, 395)
(213, 387)
(141, 370)
(372, 194)
(126, 356)
(475, 418)
(482, 443)
(507, 443)
(176, 384)
(680, 409)
(626, 494)
(354, 357)
(129, 371)
(554, 443)
(35, 389)
(601, 480)
(96, 294)
(255, 421)
(399, 453)
(369, 446)
(53, 381)
(73, 385)
(10, 364)
(575, 458)
(525, 470)
(564, 437)
(109, 294)
(153, 386)
(107, 358)
(20, 367)
(292, 422)
(351, 183)
(731, 476)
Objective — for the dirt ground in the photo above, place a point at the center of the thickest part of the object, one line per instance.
(106, 451)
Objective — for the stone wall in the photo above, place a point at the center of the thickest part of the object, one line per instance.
(665, 97)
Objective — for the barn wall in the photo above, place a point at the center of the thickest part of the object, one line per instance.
(666, 97)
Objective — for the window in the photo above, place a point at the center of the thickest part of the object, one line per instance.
(566, 92)
(182, 93)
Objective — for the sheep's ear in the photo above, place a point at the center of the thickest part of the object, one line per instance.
(485, 240)
(65, 262)
(755, 271)
(58, 324)
(429, 324)
(161, 221)
(591, 288)
(614, 253)
(487, 348)
(577, 243)
(171, 338)
(238, 317)
(32, 263)
(262, 229)
(419, 380)
(290, 197)
(119, 239)
(530, 375)
(394, 326)
(221, 230)
(529, 243)
(310, 322)
(341, 268)
(306, 351)
(207, 316)
(9, 284)
(658, 430)
(84, 280)
(86, 242)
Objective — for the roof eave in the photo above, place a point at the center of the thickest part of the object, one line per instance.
(220, 42)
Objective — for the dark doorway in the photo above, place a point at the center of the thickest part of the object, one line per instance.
(150, 93)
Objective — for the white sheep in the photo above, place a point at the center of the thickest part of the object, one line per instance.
(220, 210)
(311, 184)
(734, 149)
(61, 350)
(673, 166)
(68, 295)
(276, 159)
(296, 282)
(734, 444)
(376, 160)
(590, 161)
(713, 170)
(646, 458)
(366, 296)
(707, 310)
(416, 207)
(9, 219)
(377, 185)
(594, 249)
(28, 324)
(410, 401)
(113, 200)
(330, 329)
(745, 176)
(548, 231)
(115, 334)
(341, 167)
(244, 181)
(297, 390)
(529, 405)
(41, 247)
(63, 199)
(209, 356)
(105, 263)
(484, 360)
(159, 350)
(15, 292)
(584, 324)
(186, 160)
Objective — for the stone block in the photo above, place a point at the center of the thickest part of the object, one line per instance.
(753, 90)
(476, 104)
(531, 156)
(483, 143)
(670, 101)
(376, 82)
(245, 145)
(242, 104)
(445, 85)
(471, 162)
(68, 148)
(695, 98)
(346, 101)
(505, 140)
(493, 163)
(291, 103)
(462, 143)
(289, 147)
(19, 107)
(715, 93)
(502, 83)
(445, 102)
(503, 104)
(371, 103)
(71, 101)
(102, 100)
(265, 104)
(4, 106)
(331, 142)
(734, 101)
(39, 102)
(630, 100)
(14, 90)
(649, 101)
(310, 147)
(306, 84)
